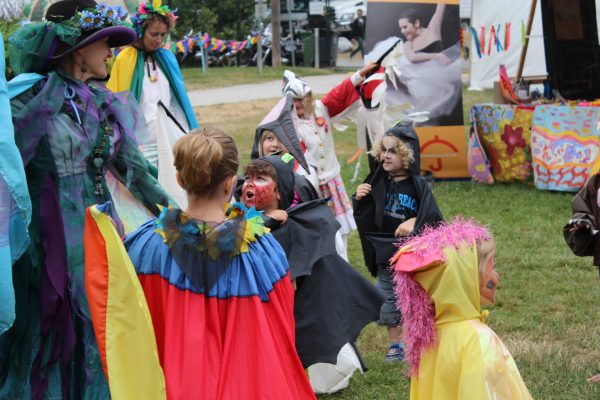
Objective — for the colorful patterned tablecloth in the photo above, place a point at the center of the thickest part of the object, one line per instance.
(503, 134)
(557, 145)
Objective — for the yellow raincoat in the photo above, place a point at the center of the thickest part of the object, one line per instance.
(466, 360)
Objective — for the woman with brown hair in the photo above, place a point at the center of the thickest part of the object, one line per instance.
(152, 74)
(217, 285)
(73, 136)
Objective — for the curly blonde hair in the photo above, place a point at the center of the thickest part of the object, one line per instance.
(204, 158)
(404, 152)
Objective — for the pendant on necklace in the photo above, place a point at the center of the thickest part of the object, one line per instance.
(153, 78)
(98, 163)
(99, 189)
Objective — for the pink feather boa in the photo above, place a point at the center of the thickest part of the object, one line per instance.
(418, 312)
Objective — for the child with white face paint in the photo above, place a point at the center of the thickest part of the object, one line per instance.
(394, 201)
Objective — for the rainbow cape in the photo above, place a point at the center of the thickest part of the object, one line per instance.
(120, 315)
(222, 307)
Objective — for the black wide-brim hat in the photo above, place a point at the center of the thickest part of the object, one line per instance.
(63, 10)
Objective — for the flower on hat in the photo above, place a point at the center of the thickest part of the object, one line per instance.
(108, 13)
(86, 20)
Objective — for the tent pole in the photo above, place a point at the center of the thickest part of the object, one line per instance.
(526, 44)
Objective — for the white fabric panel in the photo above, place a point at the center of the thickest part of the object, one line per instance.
(488, 13)
(167, 134)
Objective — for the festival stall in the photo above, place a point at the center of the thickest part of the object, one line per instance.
(556, 145)
(548, 140)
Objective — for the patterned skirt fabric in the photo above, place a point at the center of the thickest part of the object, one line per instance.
(339, 203)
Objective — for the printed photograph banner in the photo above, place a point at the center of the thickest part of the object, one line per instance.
(422, 43)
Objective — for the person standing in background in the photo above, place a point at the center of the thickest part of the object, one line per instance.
(152, 74)
(359, 26)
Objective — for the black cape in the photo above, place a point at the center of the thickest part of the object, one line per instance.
(333, 302)
(379, 247)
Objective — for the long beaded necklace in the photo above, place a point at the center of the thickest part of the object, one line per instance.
(100, 152)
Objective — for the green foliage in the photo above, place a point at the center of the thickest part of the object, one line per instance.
(6, 28)
(220, 18)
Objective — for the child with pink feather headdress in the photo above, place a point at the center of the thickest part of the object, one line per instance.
(442, 277)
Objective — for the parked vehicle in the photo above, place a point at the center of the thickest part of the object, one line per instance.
(345, 11)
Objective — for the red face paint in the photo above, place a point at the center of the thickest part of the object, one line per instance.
(259, 192)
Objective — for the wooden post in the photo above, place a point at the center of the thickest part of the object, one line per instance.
(275, 33)
(527, 33)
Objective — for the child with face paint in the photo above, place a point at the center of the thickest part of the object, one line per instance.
(442, 277)
(260, 190)
(333, 302)
(394, 201)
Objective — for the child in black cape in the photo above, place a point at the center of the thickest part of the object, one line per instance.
(333, 302)
(394, 200)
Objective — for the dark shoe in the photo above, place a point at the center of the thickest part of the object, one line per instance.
(395, 353)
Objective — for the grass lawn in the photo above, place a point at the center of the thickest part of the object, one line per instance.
(229, 76)
(546, 311)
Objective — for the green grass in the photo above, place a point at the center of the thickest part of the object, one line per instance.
(229, 76)
(546, 311)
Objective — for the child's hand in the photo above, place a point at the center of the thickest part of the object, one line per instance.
(577, 224)
(279, 215)
(362, 190)
(405, 228)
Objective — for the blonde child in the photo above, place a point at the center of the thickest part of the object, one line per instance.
(394, 201)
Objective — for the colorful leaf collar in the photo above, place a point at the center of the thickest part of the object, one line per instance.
(231, 237)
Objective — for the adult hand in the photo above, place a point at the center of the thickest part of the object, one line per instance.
(405, 228)
(366, 70)
(362, 190)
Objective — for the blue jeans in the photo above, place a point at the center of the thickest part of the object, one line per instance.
(388, 314)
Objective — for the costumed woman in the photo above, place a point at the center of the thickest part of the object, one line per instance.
(316, 137)
(333, 301)
(152, 74)
(217, 286)
(442, 277)
(73, 135)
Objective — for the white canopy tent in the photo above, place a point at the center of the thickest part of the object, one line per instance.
(494, 13)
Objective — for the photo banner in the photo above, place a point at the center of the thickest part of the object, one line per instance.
(426, 65)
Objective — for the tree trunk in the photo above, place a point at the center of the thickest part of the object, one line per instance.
(276, 32)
